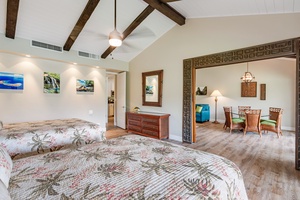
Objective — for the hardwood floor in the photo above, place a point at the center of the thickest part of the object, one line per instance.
(267, 163)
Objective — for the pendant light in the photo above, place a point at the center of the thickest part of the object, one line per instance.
(115, 38)
(247, 77)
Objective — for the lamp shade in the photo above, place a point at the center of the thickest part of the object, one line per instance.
(115, 38)
(216, 93)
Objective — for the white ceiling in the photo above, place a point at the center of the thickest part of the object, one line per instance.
(51, 21)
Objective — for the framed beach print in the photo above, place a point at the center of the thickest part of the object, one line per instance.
(84, 85)
(11, 81)
(152, 88)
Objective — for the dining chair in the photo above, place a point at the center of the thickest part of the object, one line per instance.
(274, 122)
(242, 109)
(252, 121)
(230, 122)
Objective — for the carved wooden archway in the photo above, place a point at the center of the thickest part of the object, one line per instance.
(283, 48)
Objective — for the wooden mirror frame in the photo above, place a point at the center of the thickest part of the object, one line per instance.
(145, 75)
(283, 48)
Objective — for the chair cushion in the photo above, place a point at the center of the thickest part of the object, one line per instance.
(267, 122)
(237, 120)
(198, 109)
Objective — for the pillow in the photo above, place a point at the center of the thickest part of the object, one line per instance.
(5, 166)
(4, 194)
(198, 109)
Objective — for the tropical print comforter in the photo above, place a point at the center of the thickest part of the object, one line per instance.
(128, 167)
(39, 136)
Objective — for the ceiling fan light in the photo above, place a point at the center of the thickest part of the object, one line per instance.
(115, 38)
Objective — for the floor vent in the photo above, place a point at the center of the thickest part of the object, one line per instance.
(46, 46)
(88, 55)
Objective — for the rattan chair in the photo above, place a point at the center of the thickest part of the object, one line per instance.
(274, 122)
(242, 109)
(252, 121)
(232, 123)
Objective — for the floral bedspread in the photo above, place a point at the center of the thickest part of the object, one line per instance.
(128, 167)
(25, 137)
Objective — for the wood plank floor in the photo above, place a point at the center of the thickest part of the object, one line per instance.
(267, 163)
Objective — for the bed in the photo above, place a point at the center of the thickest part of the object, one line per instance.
(48, 135)
(128, 167)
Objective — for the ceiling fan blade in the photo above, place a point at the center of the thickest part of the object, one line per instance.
(127, 48)
(141, 33)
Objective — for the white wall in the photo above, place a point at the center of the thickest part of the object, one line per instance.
(32, 104)
(277, 74)
(201, 37)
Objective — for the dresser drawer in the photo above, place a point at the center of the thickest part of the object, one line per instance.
(134, 128)
(152, 127)
(150, 132)
(134, 122)
(134, 117)
(150, 120)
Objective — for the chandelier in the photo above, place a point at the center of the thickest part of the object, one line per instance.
(247, 77)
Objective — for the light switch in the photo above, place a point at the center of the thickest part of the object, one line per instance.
(91, 112)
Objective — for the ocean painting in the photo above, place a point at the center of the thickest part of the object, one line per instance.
(51, 82)
(84, 85)
(11, 81)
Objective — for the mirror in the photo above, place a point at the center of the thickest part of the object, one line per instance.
(152, 88)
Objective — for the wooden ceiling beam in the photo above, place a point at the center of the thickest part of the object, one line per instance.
(144, 14)
(168, 1)
(84, 17)
(167, 10)
(11, 18)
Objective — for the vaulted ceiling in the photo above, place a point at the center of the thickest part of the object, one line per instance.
(84, 25)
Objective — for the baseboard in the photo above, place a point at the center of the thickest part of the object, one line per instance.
(174, 137)
(288, 128)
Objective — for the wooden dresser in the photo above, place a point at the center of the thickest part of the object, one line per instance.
(155, 125)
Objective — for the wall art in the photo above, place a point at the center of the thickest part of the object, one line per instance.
(11, 81)
(51, 82)
(201, 90)
(84, 85)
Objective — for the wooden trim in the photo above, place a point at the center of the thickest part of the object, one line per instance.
(84, 17)
(187, 111)
(11, 18)
(297, 134)
(283, 48)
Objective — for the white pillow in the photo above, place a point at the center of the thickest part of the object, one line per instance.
(4, 194)
(5, 166)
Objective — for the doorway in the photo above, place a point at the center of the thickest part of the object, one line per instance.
(111, 80)
(116, 100)
(284, 48)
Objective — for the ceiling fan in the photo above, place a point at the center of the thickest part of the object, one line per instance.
(115, 37)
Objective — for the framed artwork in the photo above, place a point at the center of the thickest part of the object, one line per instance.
(248, 89)
(201, 90)
(11, 81)
(152, 88)
(84, 85)
(51, 83)
(263, 91)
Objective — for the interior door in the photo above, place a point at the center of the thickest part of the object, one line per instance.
(121, 100)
